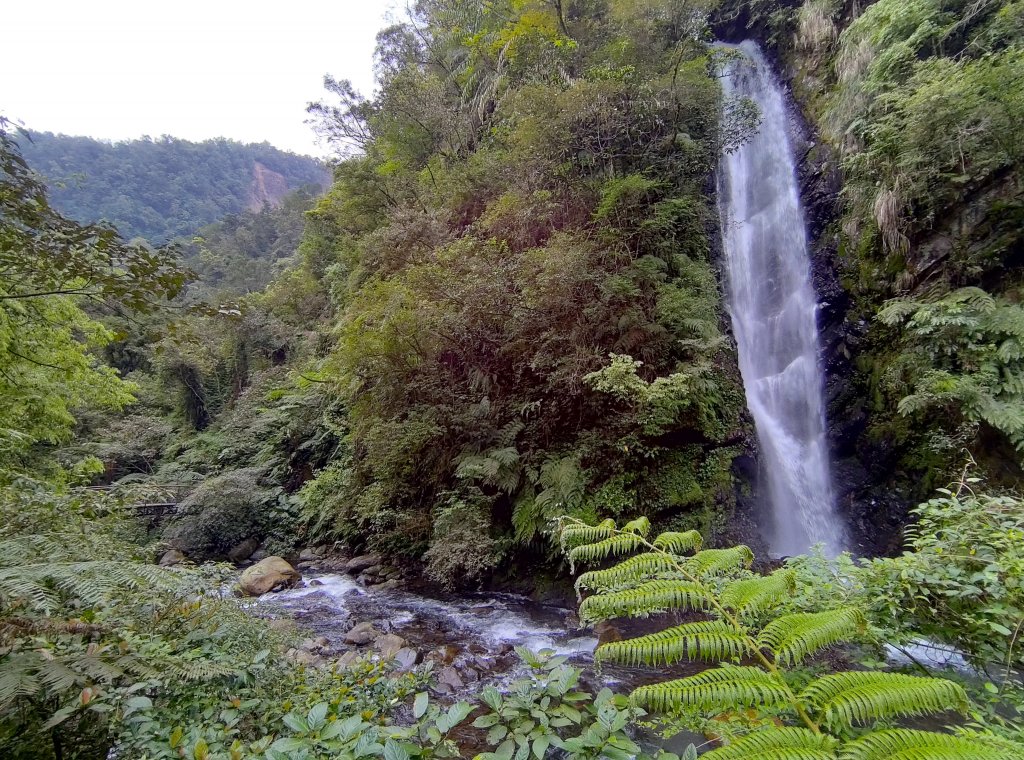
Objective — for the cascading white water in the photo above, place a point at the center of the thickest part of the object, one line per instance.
(773, 311)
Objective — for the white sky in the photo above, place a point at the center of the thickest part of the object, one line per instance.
(188, 68)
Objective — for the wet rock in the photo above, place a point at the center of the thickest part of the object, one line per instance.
(349, 659)
(308, 555)
(444, 654)
(386, 586)
(172, 557)
(270, 574)
(406, 658)
(259, 555)
(389, 644)
(362, 633)
(243, 550)
(315, 645)
(469, 675)
(362, 562)
(450, 677)
(606, 632)
(315, 582)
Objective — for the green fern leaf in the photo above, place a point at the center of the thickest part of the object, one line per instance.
(575, 534)
(643, 600)
(791, 638)
(641, 526)
(723, 688)
(905, 744)
(679, 543)
(711, 561)
(707, 640)
(752, 596)
(634, 569)
(620, 543)
(778, 744)
(844, 699)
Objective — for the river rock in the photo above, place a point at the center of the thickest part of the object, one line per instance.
(349, 659)
(308, 555)
(362, 562)
(172, 557)
(362, 633)
(270, 574)
(389, 644)
(302, 657)
(315, 582)
(444, 654)
(406, 658)
(259, 555)
(243, 550)
(390, 585)
(450, 677)
(606, 632)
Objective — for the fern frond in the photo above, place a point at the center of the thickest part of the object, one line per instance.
(679, 543)
(642, 600)
(711, 561)
(641, 526)
(844, 699)
(620, 543)
(634, 569)
(906, 744)
(751, 596)
(723, 688)
(575, 534)
(791, 638)
(778, 744)
(707, 640)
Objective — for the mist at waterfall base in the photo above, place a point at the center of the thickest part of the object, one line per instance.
(773, 309)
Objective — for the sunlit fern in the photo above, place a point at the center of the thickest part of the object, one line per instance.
(743, 630)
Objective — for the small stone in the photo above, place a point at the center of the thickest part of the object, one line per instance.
(363, 561)
(406, 658)
(450, 677)
(389, 644)
(469, 675)
(444, 654)
(172, 557)
(315, 582)
(362, 633)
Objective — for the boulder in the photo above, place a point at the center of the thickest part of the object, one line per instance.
(270, 574)
(363, 561)
(386, 586)
(259, 555)
(172, 557)
(243, 550)
(362, 633)
(308, 555)
(389, 644)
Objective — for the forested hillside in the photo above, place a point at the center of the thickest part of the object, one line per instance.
(490, 375)
(164, 188)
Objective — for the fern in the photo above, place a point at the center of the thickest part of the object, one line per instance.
(645, 599)
(717, 584)
(844, 699)
(632, 569)
(792, 638)
(906, 744)
(751, 596)
(718, 690)
(705, 640)
(778, 744)
(679, 543)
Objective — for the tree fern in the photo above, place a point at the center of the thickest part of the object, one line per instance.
(645, 599)
(792, 638)
(906, 744)
(716, 583)
(778, 744)
(704, 640)
(720, 689)
(845, 699)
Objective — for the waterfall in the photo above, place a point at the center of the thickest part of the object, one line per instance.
(773, 310)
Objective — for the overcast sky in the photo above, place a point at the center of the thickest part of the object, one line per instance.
(188, 68)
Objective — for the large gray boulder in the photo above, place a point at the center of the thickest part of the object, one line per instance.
(270, 574)
(362, 562)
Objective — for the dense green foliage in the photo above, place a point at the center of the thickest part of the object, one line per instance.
(755, 695)
(519, 257)
(923, 100)
(163, 188)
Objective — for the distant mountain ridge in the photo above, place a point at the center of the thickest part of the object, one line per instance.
(165, 188)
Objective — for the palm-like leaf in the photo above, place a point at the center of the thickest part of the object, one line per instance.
(791, 638)
(778, 744)
(644, 599)
(717, 690)
(845, 699)
(705, 640)
(906, 744)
